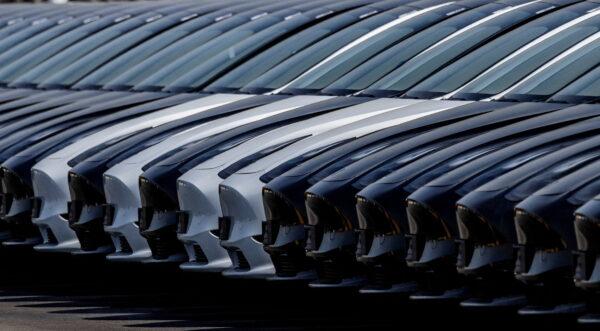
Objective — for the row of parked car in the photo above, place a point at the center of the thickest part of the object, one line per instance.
(445, 150)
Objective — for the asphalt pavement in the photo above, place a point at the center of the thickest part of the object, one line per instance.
(61, 292)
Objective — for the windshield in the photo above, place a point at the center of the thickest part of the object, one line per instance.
(37, 40)
(517, 66)
(19, 67)
(70, 55)
(554, 77)
(213, 68)
(586, 88)
(426, 63)
(193, 59)
(304, 60)
(261, 63)
(91, 26)
(366, 74)
(202, 30)
(468, 67)
(379, 40)
(171, 53)
(122, 63)
(74, 72)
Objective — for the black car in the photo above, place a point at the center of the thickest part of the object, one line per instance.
(90, 27)
(170, 168)
(283, 196)
(478, 262)
(380, 25)
(334, 195)
(381, 197)
(486, 214)
(546, 238)
(91, 170)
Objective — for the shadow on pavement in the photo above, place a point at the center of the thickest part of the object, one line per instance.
(92, 292)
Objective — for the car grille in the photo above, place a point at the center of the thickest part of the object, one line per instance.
(330, 272)
(290, 260)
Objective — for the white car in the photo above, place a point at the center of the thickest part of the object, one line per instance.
(49, 176)
(241, 193)
(121, 181)
(197, 189)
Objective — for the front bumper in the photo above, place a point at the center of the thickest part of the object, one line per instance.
(198, 226)
(56, 234)
(122, 195)
(334, 256)
(240, 230)
(249, 260)
(50, 207)
(129, 245)
(383, 257)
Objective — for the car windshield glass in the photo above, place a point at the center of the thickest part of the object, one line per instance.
(426, 63)
(372, 70)
(68, 56)
(193, 59)
(93, 60)
(259, 64)
(584, 88)
(199, 31)
(337, 66)
(208, 71)
(10, 72)
(468, 67)
(507, 73)
(554, 77)
(294, 66)
(263, 62)
(127, 60)
(180, 48)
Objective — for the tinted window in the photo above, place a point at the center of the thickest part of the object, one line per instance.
(296, 65)
(559, 74)
(586, 87)
(506, 74)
